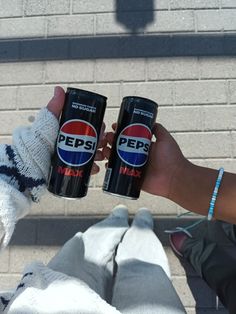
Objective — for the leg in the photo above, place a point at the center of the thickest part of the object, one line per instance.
(142, 282)
(219, 271)
(212, 253)
(90, 256)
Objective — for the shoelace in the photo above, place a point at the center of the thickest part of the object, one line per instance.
(185, 229)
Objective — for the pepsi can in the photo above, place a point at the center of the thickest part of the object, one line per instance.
(129, 154)
(77, 141)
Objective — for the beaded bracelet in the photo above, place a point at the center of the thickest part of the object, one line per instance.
(214, 195)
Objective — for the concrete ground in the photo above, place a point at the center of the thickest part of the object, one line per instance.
(39, 238)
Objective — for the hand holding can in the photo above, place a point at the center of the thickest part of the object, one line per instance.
(129, 153)
(80, 126)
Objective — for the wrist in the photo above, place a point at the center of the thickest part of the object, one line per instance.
(180, 177)
(192, 187)
(46, 126)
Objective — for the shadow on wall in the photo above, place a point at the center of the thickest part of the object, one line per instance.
(126, 14)
(121, 45)
(111, 47)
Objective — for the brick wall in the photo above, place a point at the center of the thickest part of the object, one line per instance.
(196, 94)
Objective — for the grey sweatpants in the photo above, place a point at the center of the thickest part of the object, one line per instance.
(126, 266)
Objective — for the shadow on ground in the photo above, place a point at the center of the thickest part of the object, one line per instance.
(56, 231)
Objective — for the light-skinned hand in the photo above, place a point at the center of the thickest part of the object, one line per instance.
(56, 104)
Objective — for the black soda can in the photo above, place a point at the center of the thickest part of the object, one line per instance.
(80, 126)
(129, 154)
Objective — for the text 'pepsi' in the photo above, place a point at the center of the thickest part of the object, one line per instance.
(80, 126)
(129, 154)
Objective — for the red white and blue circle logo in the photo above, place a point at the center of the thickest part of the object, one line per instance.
(133, 144)
(77, 142)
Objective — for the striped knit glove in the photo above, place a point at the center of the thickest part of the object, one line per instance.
(24, 170)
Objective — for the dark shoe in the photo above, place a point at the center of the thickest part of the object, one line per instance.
(230, 230)
(176, 242)
(191, 244)
(217, 232)
(212, 253)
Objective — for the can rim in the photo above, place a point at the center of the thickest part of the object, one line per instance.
(65, 197)
(141, 98)
(87, 92)
(120, 195)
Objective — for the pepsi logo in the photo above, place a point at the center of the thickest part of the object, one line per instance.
(76, 142)
(133, 144)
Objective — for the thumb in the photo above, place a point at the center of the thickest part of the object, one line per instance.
(56, 104)
(160, 132)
